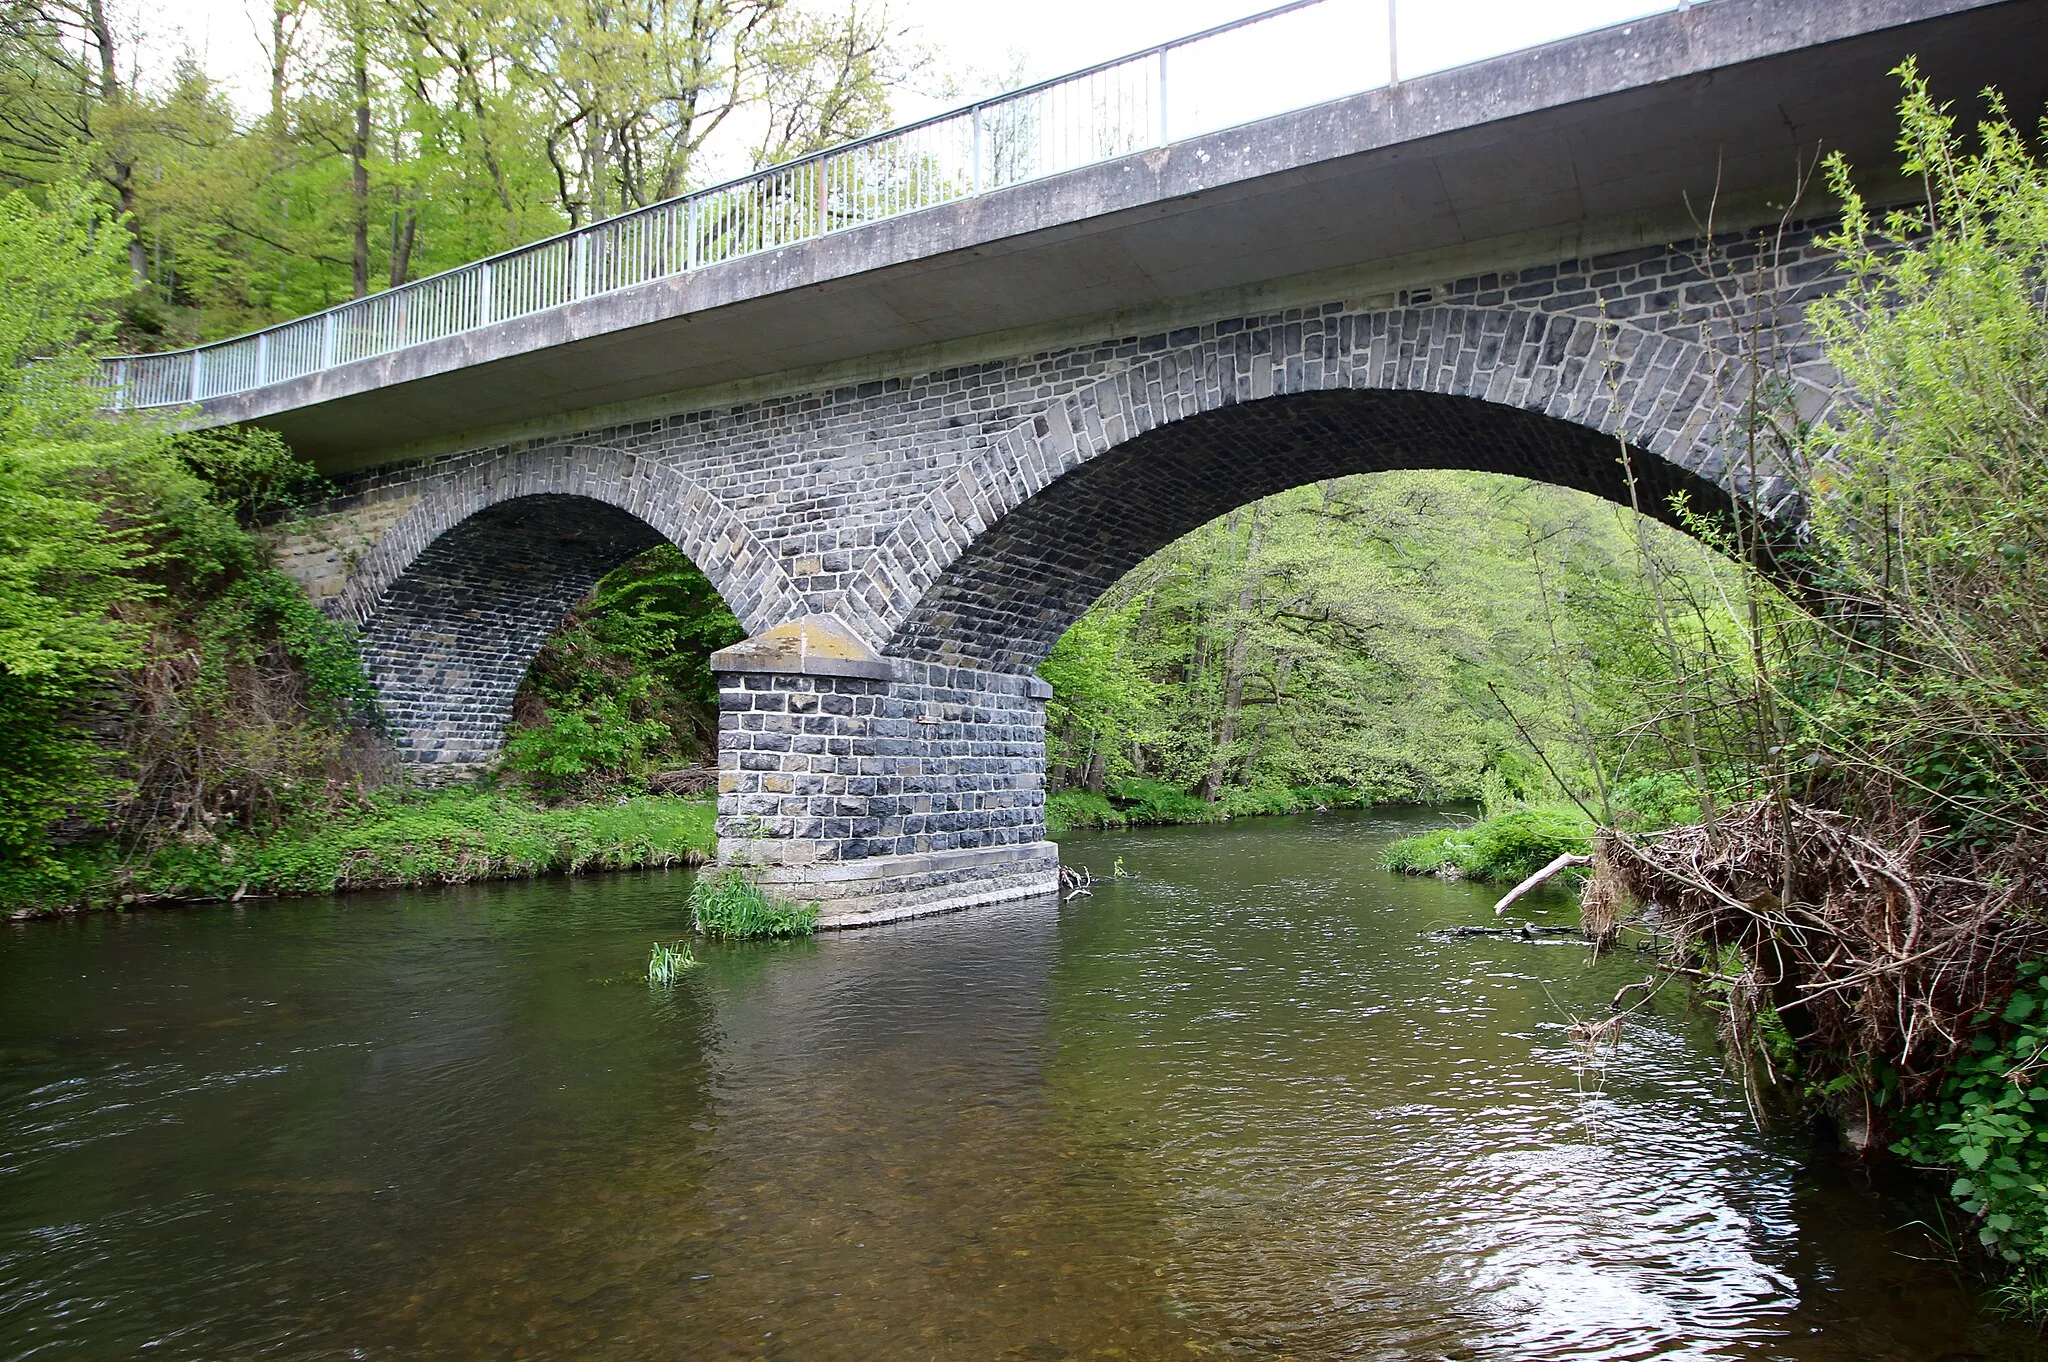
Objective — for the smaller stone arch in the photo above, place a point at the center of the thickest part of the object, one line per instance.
(746, 573)
(457, 598)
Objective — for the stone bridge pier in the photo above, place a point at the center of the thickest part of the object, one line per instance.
(904, 551)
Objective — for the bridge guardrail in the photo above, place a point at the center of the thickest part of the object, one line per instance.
(1184, 88)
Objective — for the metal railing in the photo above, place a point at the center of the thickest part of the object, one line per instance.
(1307, 52)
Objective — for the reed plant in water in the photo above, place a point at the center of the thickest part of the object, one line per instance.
(730, 906)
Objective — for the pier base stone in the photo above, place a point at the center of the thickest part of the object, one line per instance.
(879, 788)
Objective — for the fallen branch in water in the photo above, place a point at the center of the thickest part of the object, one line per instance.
(1562, 863)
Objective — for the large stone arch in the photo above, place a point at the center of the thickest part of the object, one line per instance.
(990, 568)
(458, 596)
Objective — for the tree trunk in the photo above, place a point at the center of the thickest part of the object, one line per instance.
(1283, 666)
(120, 171)
(404, 228)
(359, 169)
(1234, 662)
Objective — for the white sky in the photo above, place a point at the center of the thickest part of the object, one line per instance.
(981, 42)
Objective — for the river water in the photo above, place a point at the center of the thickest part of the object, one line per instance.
(1231, 1105)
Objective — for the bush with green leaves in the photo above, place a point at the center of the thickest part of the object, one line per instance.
(1990, 1124)
(1153, 801)
(624, 687)
(1081, 809)
(157, 675)
(730, 906)
(1504, 850)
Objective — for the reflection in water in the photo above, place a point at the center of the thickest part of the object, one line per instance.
(1232, 1106)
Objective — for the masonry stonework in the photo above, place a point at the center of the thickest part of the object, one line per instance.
(952, 524)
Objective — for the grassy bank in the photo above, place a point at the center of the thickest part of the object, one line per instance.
(1506, 849)
(451, 837)
(1150, 803)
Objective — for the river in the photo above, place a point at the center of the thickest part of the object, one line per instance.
(1234, 1104)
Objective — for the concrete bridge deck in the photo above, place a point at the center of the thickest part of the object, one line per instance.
(1594, 143)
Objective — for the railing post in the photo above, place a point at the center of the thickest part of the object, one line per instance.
(120, 384)
(485, 302)
(198, 368)
(262, 358)
(824, 215)
(1393, 48)
(579, 266)
(689, 235)
(977, 150)
(1163, 139)
(327, 340)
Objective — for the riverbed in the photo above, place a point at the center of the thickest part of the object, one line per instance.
(1237, 1102)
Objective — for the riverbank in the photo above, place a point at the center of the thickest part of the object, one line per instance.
(1150, 803)
(399, 841)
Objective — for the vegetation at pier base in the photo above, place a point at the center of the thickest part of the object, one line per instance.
(730, 906)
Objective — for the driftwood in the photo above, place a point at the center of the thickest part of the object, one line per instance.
(1562, 863)
(1889, 950)
(1524, 933)
(693, 780)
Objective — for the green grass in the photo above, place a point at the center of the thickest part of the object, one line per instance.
(668, 964)
(1503, 850)
(450, 837)
(731, 907)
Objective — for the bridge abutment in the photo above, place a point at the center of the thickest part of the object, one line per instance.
(881, 789)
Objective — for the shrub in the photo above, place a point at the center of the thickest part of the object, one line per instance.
(732, 907)
(1253, 800)
(1080, 809)
(1663, 799)
(1152, 801)
(1502, 850)
(1990, 1123)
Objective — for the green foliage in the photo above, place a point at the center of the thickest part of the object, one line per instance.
(65, 564)
(1251, 801)
(1503, 850)
(666, 965)
(1990, 1123)
(400, 140)
(1374, 633)
(252, 472)
(1927, 685)
(1152, 801)
(1081, 809)
(625, 686)
(1656, 799)
(451, 837)
(156, 676)
(730, 906)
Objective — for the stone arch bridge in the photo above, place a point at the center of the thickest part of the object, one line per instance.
(882, 735)
(909, 455)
